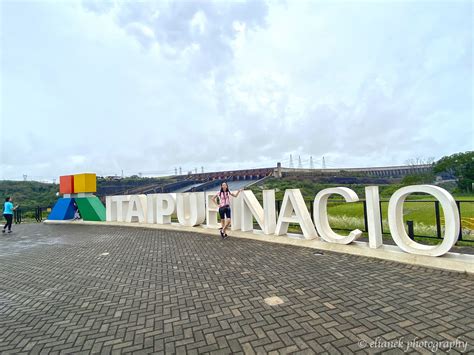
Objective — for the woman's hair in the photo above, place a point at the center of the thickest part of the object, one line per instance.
(222, 189)
(7, 199)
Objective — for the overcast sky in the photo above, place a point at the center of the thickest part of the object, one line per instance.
(151, 86)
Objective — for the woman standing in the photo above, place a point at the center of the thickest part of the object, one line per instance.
(8, 214)
(224, 207)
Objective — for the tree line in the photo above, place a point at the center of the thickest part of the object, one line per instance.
(460, 166)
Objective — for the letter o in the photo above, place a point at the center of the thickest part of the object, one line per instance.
(397, 229)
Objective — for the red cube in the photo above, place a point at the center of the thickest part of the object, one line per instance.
(66, 184)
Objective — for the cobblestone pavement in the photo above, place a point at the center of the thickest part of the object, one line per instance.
(86, 289)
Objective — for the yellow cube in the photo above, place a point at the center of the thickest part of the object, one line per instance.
(85, 183)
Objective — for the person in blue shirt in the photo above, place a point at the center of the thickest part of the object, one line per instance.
(8, 214)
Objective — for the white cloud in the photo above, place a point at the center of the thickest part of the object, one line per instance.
(198, 23)
(143, 33)
(151, 86)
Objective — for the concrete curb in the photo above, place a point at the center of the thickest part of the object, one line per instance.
(450, 261)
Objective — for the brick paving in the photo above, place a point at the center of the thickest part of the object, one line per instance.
(175, 292)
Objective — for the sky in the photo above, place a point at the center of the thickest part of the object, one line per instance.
(147, 87)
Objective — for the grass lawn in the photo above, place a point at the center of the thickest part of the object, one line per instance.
(419, 208)
(350, 215)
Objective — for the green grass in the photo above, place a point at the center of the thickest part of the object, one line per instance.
(421, 213)
(343, 216)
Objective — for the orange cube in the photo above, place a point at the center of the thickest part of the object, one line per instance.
(66, 184)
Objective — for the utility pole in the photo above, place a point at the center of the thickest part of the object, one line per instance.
(300, 166)
(291, 162)
(122, 173)
(324, 163)
(311, 165)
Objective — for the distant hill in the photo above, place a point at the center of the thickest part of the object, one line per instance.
(112, 186)
(29, 194)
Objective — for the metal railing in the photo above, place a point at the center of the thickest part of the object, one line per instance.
(22, 214)
(410, 223)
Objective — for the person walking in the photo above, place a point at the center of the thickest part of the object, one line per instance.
(8, 214)
(224, 207)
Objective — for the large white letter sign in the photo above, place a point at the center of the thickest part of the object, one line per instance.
(266, 216)
(151, 208)
(373, 216)
(158, 206)
(211, 210)
(110, 209)
(236, 212)
(136, 208)
(397, 228)
(321, 215)
(165, 205)
(116, 208)
(293, 202)
(191, 208)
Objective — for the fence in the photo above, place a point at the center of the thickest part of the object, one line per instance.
(410, 223)
(37, 213)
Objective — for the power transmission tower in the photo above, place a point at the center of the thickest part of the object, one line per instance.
(291, 162)
(195, 170)
(180, 171)
(300, 166)
(140, 174)
(25, 177)
(324, 163)
(311, 165)
(122, 173)
(175, 171)
(202, 169)
(54, 181)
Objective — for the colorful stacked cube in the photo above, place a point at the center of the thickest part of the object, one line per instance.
(77, 191)
(66, 184)
(84, 183)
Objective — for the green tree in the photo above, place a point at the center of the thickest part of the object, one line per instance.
(414, 179)
(461, 166)
(29, 194)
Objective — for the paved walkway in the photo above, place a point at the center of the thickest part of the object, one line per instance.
(84, 289)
